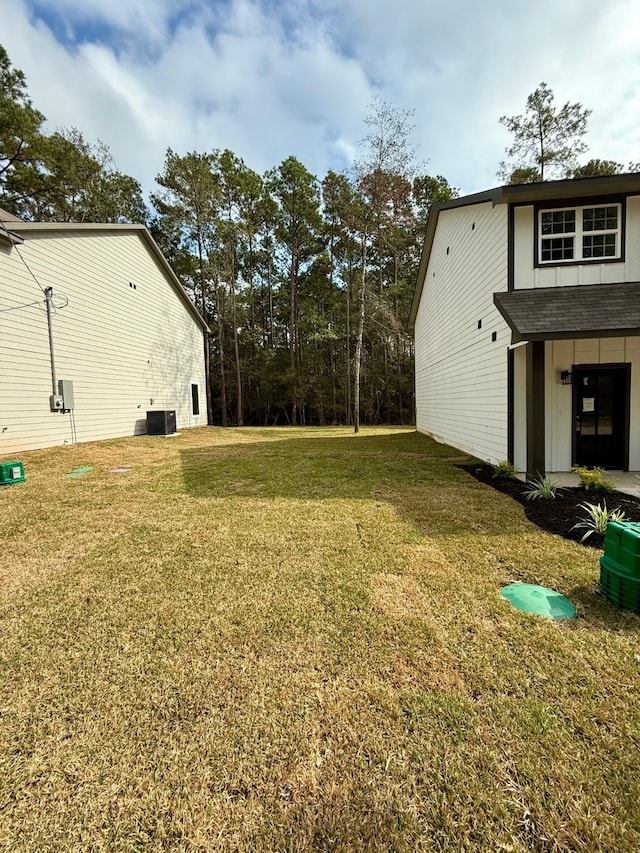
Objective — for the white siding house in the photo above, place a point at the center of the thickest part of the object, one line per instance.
(124, 333)
(527, 324)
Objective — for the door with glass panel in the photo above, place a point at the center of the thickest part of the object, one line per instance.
(601, 416)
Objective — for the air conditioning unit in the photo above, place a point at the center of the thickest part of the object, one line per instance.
(161, 422)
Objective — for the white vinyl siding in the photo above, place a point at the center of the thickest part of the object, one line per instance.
(461, 373)
(526, 275)
(122, 347)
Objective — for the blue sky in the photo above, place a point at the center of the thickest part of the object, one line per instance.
(270, 78)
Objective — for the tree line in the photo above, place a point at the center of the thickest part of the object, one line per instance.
(306, 284)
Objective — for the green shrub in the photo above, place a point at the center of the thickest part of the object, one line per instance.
(597, 519)
(541, 488)
(593, 479)
(504, 470)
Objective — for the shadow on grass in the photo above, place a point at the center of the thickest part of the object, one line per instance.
(413, 473)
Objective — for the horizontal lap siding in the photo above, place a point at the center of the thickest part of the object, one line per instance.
(461, 374)
(120, 346)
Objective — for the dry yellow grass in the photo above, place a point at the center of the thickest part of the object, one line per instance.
(287, 639)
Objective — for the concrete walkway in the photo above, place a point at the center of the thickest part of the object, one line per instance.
(624, 481)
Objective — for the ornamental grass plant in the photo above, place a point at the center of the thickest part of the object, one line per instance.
(596, 519)
(541, 488)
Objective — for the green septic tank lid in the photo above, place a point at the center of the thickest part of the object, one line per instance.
(539, 600)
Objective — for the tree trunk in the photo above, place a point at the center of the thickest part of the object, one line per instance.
(399, 353)
(207, 373)
(223, 381)
(332, 367)
(358, 358)
(349, 413)
(292, 343)
(203, 311)
(236, 349)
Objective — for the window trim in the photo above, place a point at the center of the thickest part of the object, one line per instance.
(579, 204)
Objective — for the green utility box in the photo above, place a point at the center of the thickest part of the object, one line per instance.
(622, 545)
(620, 589)
(620, 565)
(11, 472)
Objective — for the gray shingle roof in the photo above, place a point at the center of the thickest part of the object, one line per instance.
(584, 311)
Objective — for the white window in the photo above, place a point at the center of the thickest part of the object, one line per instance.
(579, 234)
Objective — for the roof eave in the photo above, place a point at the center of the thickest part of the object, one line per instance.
(516, 336)
(164, 263)
(492, 196)
(570, 188)
(574, 334)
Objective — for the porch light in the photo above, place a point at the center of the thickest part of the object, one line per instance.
(566, 377)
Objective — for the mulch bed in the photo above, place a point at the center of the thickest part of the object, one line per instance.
(559, 515)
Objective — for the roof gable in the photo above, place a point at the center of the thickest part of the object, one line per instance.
(574, 188)
(20, 228)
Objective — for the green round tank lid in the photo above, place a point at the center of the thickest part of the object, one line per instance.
(539, 600)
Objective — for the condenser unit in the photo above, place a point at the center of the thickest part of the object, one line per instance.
(162, 422)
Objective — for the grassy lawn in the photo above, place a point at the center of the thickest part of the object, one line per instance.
(294, 640)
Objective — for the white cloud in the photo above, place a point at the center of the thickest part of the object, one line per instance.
(145, 20)
(269, 78)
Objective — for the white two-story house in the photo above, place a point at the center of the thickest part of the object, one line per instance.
(527, 324)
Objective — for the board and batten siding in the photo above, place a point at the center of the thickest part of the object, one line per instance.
(526, 275)
(461, 373)
(559, 425)
(127, 349)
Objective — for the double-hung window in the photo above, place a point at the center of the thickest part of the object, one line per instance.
(579, 234)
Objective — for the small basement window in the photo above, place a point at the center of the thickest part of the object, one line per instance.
(195, 401)
(580, 234)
